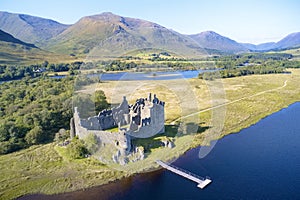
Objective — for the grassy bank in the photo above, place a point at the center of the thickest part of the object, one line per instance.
(45, 168)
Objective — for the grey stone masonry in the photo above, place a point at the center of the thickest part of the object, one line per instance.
(143, 119)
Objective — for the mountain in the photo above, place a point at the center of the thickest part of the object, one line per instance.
(30, 29)
(16, 52)
(108, 34)
(260, 47)
(214, 41)
(292, 40)
(5, 37)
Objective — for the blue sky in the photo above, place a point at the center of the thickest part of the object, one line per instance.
(253, 21)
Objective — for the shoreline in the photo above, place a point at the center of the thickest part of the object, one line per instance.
(143, 172)
(59, 176)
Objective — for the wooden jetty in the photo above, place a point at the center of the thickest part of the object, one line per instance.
(202, 182)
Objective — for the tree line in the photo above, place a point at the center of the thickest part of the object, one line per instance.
(14, 72)
(244, 71)
(248, 64)
(33, 110)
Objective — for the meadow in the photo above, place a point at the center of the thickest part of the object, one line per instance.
(214, 108)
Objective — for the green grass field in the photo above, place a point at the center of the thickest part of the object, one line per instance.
(47, 169)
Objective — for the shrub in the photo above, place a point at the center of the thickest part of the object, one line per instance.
(76, 149)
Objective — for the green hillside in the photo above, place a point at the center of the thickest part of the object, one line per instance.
(107, 35)
(17, 52)
(30, 29)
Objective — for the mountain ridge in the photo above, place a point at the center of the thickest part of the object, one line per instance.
(30, 29)
(109, 34)
(6, 37)
(213, 40)
(290, 41)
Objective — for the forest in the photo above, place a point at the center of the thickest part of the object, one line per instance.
(33, 110)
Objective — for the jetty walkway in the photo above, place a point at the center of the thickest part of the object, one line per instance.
(202, 182)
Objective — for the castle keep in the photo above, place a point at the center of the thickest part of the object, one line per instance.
(145, 118)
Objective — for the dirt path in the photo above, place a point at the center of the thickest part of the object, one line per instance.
(231, 102)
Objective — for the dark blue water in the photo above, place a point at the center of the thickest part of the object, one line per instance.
(260, 162)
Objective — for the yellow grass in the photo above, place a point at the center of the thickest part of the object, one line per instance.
(244, 100)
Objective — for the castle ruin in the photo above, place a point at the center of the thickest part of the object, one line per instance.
(145, 118)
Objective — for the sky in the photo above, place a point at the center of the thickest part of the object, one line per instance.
(248, 21)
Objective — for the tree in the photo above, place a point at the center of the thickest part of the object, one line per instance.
(91, 143)
(61, 135)
(45, 64)
(8, 147)
(76, 149)
(34, 136)
(4, 133)
(100, 101)
(84, 104)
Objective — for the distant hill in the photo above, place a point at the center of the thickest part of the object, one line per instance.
(5, 37)
(260, 47)
(214, 41)
(108, 34)
(16, 52)
(30, 29)
(290, 41)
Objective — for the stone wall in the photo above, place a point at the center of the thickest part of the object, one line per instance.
(119, 139)
(142, 120)
(156, 125)
(92, 123)
(121, 113)
(106, 122)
